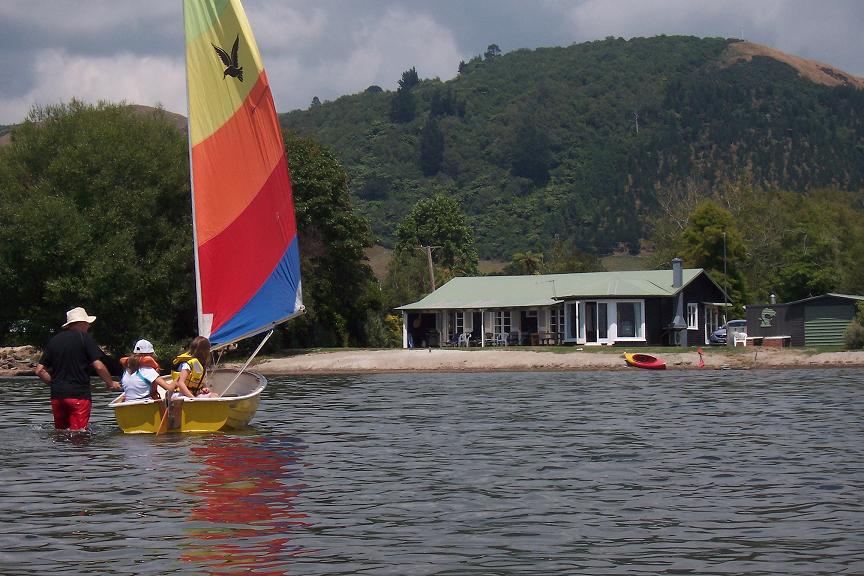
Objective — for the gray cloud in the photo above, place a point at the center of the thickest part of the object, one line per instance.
(133, 51)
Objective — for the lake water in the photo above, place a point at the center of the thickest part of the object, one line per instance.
(628, 472)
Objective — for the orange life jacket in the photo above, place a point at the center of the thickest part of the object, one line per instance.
(146, 361)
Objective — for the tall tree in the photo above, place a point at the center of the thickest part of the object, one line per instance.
(95, 207)
(409, 79)
(713, 242)
(438, 221)
(338, 284)
(492, 52)
(403, 106)
(809, 270)
(408, 277)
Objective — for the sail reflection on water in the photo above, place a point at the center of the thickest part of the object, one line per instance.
(245, 516)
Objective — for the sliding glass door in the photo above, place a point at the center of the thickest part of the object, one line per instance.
(596, 317)
(604, 321)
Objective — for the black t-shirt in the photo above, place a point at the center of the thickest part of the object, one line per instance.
(67, 356)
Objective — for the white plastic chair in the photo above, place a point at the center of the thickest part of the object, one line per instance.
(501, 339)
(739, 337)
(465, 339)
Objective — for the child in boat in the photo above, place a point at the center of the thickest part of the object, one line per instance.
(190, 368)
(141, 374)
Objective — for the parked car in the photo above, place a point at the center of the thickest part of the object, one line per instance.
(718, 337)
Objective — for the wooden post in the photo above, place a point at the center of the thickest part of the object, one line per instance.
(428, 250)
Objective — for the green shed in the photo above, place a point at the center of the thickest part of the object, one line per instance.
(815, 321)
(827, 317)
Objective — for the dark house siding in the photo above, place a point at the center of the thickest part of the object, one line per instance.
(660, 312)
(699, 291)
(815, 321)
(781, 320)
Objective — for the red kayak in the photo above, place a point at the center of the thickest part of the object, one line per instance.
(646, 361)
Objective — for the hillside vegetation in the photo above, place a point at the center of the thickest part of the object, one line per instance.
(543, 144)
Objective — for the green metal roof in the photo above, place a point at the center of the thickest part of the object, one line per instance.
(529, 291)
(826, 295)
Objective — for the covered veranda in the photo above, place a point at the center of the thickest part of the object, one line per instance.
(503, 311)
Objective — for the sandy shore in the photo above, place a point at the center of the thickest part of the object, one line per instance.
(519, 360)
(449, 360)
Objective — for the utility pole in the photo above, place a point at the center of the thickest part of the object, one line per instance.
(428, 250)
(636, 117)
(725, 279)
(730, 339)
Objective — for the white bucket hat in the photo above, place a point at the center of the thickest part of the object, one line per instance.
(78, 315)
(143, 347)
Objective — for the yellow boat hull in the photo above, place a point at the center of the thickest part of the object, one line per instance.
(232, 406)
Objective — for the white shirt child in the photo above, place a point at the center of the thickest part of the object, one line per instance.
(137, 385)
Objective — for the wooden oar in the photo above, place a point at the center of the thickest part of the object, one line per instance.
(163, 424)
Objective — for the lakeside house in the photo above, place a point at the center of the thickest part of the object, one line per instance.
(653, 307)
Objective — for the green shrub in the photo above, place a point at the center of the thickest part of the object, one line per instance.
(854, 337)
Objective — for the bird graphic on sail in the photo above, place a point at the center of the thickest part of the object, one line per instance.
(233, 67)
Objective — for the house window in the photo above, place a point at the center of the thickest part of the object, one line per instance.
(629, 318)
(556, 319)
(693, 316)
(572, 324)
(457, 323)
(501, 321)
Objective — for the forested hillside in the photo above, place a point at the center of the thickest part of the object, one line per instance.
(577, 142)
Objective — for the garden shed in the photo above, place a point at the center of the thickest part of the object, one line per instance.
(815, 321)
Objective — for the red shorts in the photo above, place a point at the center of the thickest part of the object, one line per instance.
(71, 413)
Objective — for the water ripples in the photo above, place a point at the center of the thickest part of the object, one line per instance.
(708, 472)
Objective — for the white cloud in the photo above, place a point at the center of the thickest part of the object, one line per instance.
(282, 27)
(133, 50)
(627, 18)
(135, 79)
(378, 50)
(88, 18)
(401, 39)
(816, 30)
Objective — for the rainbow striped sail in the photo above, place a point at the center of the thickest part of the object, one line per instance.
(247, 263)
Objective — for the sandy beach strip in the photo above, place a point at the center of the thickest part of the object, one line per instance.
(20, 361)
(448, 360)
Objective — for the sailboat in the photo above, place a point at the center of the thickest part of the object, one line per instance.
(247, 262)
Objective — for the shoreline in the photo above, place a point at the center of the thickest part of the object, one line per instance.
(449, 360)
(496, 360)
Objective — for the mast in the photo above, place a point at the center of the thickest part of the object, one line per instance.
(201, 329)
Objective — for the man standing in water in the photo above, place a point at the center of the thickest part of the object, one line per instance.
(64, 365)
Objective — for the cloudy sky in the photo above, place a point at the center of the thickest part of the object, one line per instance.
(132, 50)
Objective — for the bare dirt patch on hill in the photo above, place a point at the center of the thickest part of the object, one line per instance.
(811, 69)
